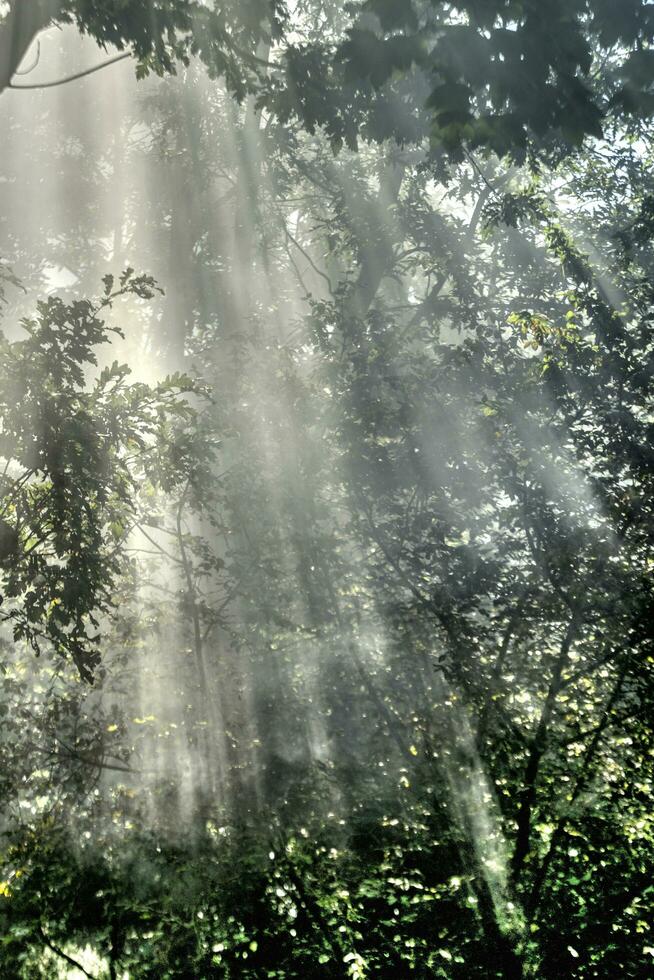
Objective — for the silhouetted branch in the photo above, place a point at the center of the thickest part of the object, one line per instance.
(34, 63)
(72, 78)
(537, 751)
(64, 956)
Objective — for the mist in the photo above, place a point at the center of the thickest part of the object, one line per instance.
(325, 620)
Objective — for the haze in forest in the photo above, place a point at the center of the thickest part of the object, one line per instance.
(325, 532)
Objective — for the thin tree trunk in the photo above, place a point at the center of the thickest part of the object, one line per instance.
(536, 753)
(377, 259)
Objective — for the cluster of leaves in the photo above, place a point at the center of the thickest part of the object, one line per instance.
(74, 455)
(512, 76)
(224, 35)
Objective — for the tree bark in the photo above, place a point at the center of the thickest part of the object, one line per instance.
(25, 19)
(377, 257)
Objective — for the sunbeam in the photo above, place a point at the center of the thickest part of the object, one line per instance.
(325, 517)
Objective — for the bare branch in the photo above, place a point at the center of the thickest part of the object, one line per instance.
(64, 956)
(72, 78)
(31, 68)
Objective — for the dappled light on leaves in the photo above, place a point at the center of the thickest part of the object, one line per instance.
(325, 489)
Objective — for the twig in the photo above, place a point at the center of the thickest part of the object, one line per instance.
(36, 61)
(313, 265)
(60, 953)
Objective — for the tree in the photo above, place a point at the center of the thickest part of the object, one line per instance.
(73, 460)
(158, 38)
(509, 77)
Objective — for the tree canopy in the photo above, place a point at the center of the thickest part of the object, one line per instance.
(506, 75)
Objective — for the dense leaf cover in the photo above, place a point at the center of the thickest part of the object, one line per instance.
(509, 75)
(73, 458)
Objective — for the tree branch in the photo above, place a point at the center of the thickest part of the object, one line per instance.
(583, 777)
(25, 19)
(537, 751)
(313, 265)
(28, 71)
(72, 78)
(64, 956)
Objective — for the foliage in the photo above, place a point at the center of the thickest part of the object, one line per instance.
(504, 75)
(73, 457)
(375, 691)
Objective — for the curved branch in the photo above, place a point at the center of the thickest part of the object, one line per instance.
(72, 78)
(31, 68)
